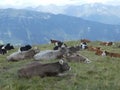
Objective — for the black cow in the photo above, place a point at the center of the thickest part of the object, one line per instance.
(42, 70)
(25, 48)
(3, 51)
(9, 47)
(59, 45)
(5, 48)
(83, 45)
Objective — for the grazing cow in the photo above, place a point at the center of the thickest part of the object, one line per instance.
(25, 48)
(85, 40)
(17, 56)
(107, 43)
(51, 54)
(43, 70)
(77, 58)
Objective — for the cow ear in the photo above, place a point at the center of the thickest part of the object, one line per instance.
(61, 62)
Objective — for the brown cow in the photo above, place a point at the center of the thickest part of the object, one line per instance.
(54, 41)
(85, 40)
(100, 52)
(111, 54)
(106, 53)
(107, 43)
(91, 48)
(42, 70)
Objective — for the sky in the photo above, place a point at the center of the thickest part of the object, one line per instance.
(34, 3)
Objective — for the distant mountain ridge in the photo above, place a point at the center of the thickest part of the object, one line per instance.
(108, 14)
(19, 26)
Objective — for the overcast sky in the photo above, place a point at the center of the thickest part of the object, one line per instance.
(24, 3)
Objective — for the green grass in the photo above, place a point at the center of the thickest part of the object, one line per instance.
(103, 73)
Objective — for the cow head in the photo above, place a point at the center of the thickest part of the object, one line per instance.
(64, 65)
(37, 50)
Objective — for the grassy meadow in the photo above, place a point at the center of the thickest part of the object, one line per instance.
(103, 73)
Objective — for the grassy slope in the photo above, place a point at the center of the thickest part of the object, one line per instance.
(102, 74)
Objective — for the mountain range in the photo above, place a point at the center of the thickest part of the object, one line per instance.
(103, 13)
(20, 26)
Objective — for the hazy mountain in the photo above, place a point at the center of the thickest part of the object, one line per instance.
(25, 26)
(108, 14)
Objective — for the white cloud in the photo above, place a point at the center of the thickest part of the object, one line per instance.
(23, 3)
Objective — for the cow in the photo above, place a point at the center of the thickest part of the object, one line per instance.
(44, 70)
(106, 43)
(101, 53)
(17, 56)
(106, 53)
(4, 48)
(54, 41)
(51, 54)
(91, 48)
(8, 46)
(3, 51)
(83, 45)
(58, 44)
(85, 40)
(73, 49)
(77, 58)
(25, 48)
(112, 54)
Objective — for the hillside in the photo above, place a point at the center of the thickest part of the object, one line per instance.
(20, 26)
(101, 74)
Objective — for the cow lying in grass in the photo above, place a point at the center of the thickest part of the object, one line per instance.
(50, 54)
(17, 56)
(107, 43)
(77, 58)
(73, 49)
(106, 53)
(42, 70)
(91, 48)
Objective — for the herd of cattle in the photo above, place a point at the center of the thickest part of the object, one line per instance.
(60, 51)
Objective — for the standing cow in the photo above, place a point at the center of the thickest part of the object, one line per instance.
(5, 48)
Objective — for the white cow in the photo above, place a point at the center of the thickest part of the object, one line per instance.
(50, 54)
(16, 56)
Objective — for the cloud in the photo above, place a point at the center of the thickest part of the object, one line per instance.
(24, 3)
